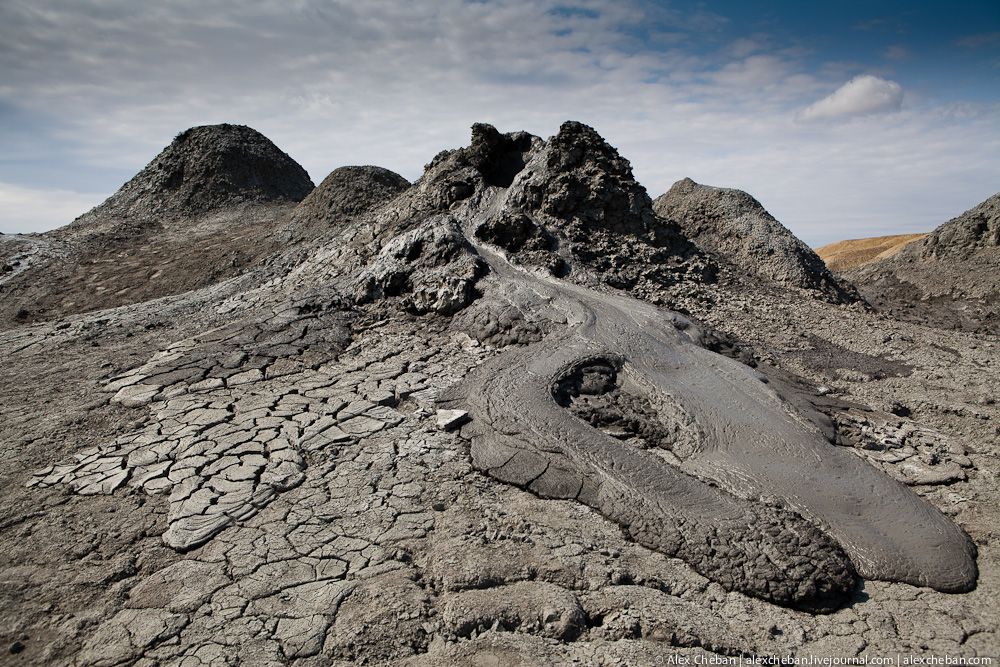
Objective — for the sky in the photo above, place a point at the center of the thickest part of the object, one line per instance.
(845, 119)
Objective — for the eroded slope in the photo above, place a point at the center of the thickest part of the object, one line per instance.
(205, 209)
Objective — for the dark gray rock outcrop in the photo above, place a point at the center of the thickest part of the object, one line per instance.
(576, 207)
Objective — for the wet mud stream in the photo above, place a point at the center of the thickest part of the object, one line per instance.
(755, 498)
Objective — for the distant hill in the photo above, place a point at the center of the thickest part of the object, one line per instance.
(950, 278)
(205, 168)
(852, 253)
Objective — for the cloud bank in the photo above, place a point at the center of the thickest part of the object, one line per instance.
(91, 90)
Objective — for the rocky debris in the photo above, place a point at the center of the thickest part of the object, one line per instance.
(205, 168)
(576, 207)
(734, 227)
(948, 279)
(498, 323)
(976, 229)
(432, 269)
(913, 454)
(582, 181)
(592, 393)
(280, 491)
(449, 420)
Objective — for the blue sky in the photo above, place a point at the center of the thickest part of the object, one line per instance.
(845, 119)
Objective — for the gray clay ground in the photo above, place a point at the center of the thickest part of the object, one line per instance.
(462, 423)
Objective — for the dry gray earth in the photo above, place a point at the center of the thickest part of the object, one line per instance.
(510, 414)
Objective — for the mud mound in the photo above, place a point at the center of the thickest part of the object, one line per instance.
(209, 167)
(346, 193)
(206, 209)
(735, 227)
(976, 229)
(576, 208)
(854, 253)
(349, 191)
(580, 179)
(950, 279)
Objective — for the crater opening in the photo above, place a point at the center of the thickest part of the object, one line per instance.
(594, 391)
(507, 160)
(499, 157)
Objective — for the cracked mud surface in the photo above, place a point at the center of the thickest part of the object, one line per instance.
(271, 475)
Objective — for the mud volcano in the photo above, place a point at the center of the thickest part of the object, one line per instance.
(723, 439)
(508, 410)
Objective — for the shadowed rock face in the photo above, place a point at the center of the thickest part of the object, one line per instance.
(601, 397)
(734, 226)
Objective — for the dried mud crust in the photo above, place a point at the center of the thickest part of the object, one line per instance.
(521, 435)
(162, 258)
(591, 391)
(438, 561)
(819, 576)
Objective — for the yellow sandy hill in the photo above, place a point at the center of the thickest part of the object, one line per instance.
(850, 254)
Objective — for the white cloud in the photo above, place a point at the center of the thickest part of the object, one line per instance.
(32, 210)
(861, 96)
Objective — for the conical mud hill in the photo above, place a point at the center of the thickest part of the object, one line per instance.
(208, 167)
(735, 227)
